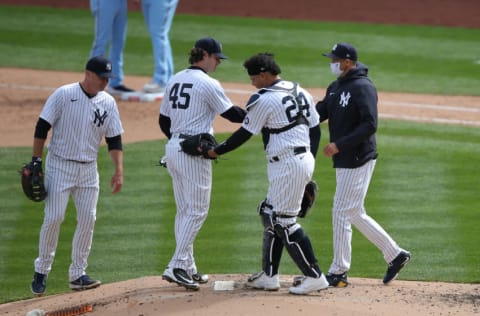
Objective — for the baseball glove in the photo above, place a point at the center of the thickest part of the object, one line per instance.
(198, 145)
(309, 196)
(32, 181)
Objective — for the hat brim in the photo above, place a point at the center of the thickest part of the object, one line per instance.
(331, 55)
(221, 56)
(106, 75)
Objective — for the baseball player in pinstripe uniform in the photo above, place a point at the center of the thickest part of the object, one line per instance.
(191, 102)
(285, 115)
(81, 114)
(350, 105)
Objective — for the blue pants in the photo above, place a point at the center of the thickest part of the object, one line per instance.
(158, 18)
(110, 28)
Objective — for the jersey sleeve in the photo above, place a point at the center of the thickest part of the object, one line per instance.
(52, 108)
(164, 108)
(115, 124)
(256, 117)
(217, 99)
(311, 113)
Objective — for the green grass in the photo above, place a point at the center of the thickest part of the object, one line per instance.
(418, 59)
(424, 193)
(424, 190)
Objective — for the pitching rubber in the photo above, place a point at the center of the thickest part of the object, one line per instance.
(224, 285)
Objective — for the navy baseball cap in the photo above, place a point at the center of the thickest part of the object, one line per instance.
(343, 51)
(211, 46)
(101, 66)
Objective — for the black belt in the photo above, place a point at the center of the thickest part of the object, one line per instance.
(283, 216)
(296, 151)
(183, 136)
(78, 161)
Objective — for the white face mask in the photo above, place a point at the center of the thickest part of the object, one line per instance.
(335, 68)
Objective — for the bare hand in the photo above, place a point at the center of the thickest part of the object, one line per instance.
(116, 183)
(330, 150)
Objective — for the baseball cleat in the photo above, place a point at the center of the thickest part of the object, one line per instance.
(298, 280)
(262, 281)
(180, 276)
(395, 266)
(309, 284)
(337, 280)
(84, 283)
(200, 278)
(39, 284)
(153, 87)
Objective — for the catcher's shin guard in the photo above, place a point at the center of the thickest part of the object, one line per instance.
(300, 250)
(272, 252)
(272, 244)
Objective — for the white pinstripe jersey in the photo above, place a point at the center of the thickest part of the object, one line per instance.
(275, 108)
(191, 101)
(79, 123)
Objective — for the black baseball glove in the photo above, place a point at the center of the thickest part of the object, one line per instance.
(309, 196)
(198, 145)
(32, 181)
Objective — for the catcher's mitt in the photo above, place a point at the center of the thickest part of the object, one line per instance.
(198, 145)
(309, 196)
(32, 181)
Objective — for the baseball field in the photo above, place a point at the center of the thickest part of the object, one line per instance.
(424, 190)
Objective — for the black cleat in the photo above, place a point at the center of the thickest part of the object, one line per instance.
(84, 283)
(39, 284)
(395, 266)
(180, 276)
(337, 280)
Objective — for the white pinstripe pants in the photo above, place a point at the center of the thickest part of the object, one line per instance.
(286, 184)
(192, 186)
(348, 209)
(63, 178)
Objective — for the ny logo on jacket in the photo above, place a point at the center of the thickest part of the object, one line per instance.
(344, 99)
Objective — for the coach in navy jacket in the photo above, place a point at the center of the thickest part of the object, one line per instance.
(350, 104)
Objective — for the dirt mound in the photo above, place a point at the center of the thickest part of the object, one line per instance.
(150, 296)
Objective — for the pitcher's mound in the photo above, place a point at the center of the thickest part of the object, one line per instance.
(150, 296)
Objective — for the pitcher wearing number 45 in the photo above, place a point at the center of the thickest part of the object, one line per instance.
(192, 100)
(350, 105)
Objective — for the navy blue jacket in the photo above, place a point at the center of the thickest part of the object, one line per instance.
(350, 105)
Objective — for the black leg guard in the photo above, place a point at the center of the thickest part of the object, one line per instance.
(300, 249)
(272, 252)
(272, 244)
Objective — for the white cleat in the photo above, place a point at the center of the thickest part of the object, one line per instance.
(309, 284)
(262, 281)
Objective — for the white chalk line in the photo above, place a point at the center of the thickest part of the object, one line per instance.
(382, 103)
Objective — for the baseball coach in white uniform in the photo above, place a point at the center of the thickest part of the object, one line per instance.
(80, 114)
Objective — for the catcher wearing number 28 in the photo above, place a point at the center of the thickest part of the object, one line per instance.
(285, 115)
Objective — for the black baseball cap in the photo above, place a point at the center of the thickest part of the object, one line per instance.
(101, 66)
(343, 51)
(262, 62)
(211, 46)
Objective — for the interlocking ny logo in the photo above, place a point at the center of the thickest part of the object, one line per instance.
(344, 98)
(99, 118)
